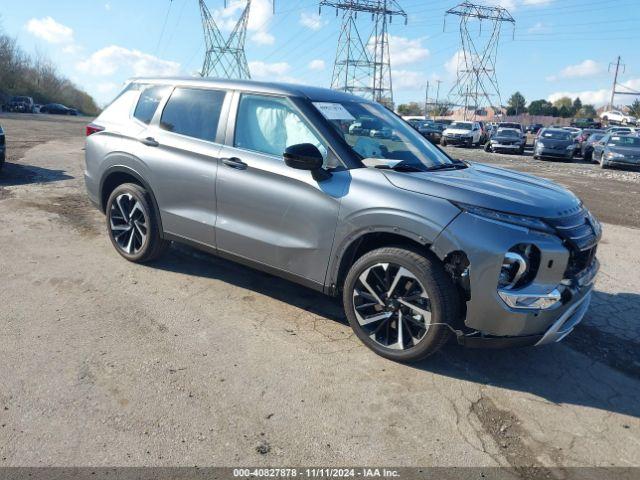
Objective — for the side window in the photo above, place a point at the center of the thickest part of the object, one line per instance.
(193, 112)
(270, 125)
(148, 103)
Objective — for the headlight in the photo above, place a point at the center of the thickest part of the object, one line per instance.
(519, 220)
(519, 266)
(539, 145)
(570, 147)
(612, 155)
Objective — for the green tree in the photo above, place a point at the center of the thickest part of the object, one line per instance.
(516, 104)
(634, 108)
(587, 111)
(541, 107)
(577, 105)
(564, 111)
(411, 108)
(565, 102)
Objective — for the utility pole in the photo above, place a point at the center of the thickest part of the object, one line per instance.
(426, 102)
(438, 93)
(615, 81)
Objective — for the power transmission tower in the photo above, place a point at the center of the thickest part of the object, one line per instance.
(224, 58)
(363, 65)
(476, 84)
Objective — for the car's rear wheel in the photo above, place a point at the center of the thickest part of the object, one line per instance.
(400, 303)
(443, 142)
(132, 225)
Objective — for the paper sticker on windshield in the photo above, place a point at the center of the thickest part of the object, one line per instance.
(333, 111)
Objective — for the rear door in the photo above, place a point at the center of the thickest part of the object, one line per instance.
(182, 147)
(268, 212)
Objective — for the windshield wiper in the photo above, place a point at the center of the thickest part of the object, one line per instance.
(456, 165)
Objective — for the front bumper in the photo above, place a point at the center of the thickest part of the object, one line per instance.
(621, 162)
(548, 153)
(490, 320)
(458, 140)
(510, 148)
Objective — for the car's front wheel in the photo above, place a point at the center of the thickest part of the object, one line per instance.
(132, 224)
(400, 303)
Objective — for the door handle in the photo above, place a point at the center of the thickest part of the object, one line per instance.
(235, 162)
(150, 142)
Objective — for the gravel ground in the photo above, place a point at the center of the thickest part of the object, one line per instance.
(193, 360)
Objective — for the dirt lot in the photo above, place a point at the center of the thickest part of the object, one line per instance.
(193, 360)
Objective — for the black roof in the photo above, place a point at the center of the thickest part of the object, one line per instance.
(289, 89)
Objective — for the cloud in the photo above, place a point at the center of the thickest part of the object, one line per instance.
(405, 51)
(408, 80)
(106, 87)
(49, 30)
(268, 70)
(112, 59)
(539, 27)
(260, 17)
(514, 4)
(588, 68)
(312, 21)
(536, 2)
(317, 65)
(597, 97)
(451, 65)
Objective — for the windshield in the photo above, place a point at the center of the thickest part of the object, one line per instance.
(624, 141)
(373, 132)
(508, 132)
(557, 135)
(461, 125)
(595, 137)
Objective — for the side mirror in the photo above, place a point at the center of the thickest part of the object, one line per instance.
(306, 156)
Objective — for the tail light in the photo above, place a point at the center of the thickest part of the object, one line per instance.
(93, 128)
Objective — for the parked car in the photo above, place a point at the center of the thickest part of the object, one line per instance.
(57, 109)
(615, 150)
(534, 128)
(620, 130)
(3, 147)
(583, 136)
(432, 131)
(506, 140)
(614, 117)
(586, 123)
(554, 143)
(418, 245)
(466, 134)
(21, 104)
(586, 147)
(517, 126)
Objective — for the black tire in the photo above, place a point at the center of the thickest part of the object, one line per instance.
(2, 160)
(521, 151)
(443, 142)
(153, 245)
(487, 147)
(443, 298)
(536, 157)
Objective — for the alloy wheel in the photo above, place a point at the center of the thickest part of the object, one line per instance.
(128, 223)
(392, 306)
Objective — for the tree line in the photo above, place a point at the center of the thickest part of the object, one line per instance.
(37, 77)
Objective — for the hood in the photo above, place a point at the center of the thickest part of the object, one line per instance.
(459, 131)
(491, 187)
(629, 152)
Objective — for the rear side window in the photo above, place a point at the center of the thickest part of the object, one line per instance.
(148, 103)
(193, 112)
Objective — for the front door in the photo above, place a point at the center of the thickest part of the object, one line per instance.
(268, 212)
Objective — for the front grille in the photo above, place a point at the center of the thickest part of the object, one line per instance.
(581, 239)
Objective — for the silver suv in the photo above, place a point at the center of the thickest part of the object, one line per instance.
(419, 245)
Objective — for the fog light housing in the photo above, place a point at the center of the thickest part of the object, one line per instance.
(519, 266)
